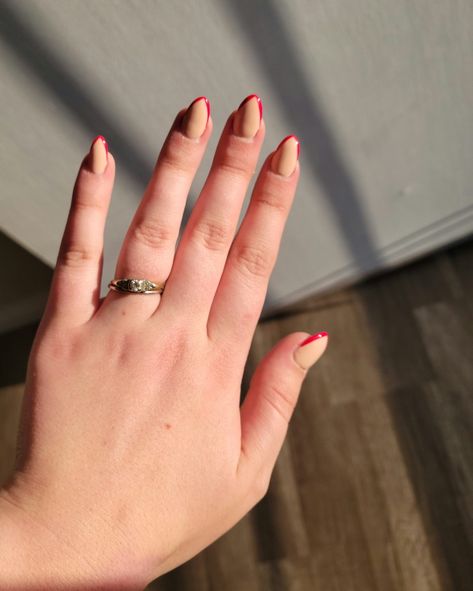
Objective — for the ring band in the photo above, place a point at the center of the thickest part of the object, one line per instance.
(136, 286)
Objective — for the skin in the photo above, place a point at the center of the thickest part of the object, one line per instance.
(134, 453)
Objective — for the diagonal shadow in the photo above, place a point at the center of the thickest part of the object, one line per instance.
(265, 32)
(80, 101)
(262, 24)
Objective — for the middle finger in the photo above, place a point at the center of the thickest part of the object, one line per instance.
(201, 255)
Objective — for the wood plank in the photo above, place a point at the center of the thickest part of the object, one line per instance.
(10, 406)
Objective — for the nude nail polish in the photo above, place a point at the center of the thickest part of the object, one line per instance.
(311, 349)
(98, 155)
(196, 118)
(247, 119)
(286, 155)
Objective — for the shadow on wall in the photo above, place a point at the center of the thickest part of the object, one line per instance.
(81, 103)
(265, 32)
(263, 27)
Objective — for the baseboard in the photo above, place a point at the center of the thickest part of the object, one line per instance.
(432, 237)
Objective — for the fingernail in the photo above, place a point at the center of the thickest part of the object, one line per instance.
(311, 349)
(247, 119)
(98, 155)
(196, 118)
(286, 155)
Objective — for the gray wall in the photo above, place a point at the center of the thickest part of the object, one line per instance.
(379, 92)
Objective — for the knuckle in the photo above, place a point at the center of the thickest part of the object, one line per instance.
(56, 347)
(88, 193)
(213, 235)
(152, 233)
(87, 201)
(279, 400)
(77, 256)
(238, 167)
(253, 261)
(175, 161)
(271, 199)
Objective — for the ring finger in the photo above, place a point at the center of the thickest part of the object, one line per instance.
(148, 248)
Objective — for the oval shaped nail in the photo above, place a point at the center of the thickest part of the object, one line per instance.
(247, 119)
(98, 155)
(311, 349)
(285, 157)
(196, 118)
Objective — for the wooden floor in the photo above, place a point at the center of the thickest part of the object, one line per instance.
(373, 490)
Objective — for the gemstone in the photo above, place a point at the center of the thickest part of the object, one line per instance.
(135, 285)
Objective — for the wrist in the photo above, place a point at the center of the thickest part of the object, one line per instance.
(34, 555)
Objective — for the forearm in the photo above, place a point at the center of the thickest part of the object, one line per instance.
(33, 558)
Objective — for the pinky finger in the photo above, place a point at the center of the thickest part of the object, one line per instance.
(270, 402)
(75, 289)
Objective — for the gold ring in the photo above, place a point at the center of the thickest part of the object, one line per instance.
(136, 286)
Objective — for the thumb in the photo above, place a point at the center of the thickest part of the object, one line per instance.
(272, 396)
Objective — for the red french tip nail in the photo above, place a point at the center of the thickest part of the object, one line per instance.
(314, 337)
(289, 137)
(260, 103)
(207, 104)
(100, 137)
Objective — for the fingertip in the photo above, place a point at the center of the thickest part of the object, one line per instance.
(98, 155)
(88, 168)
(195, 121)
(110, 168)
(89, 183)
(209, 128)
(311, 349)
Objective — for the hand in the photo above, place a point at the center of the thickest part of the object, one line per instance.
(134, 453)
